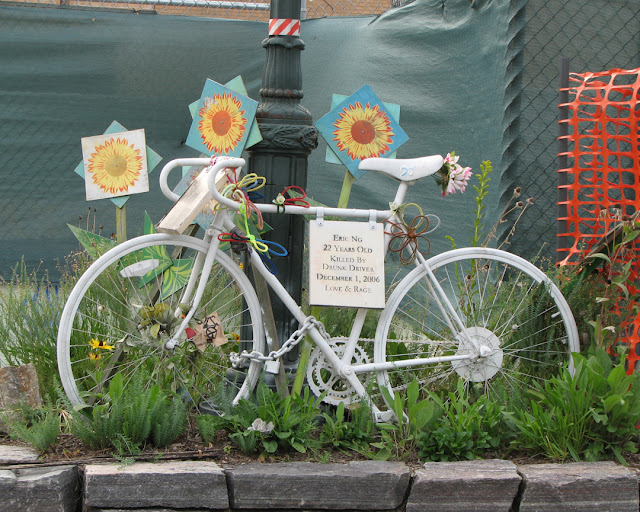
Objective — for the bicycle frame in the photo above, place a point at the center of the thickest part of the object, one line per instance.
(222, 223)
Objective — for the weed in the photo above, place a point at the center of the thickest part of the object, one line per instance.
(38, 427)
(269, 423)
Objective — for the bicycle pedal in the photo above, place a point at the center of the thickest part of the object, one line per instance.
(272, 367)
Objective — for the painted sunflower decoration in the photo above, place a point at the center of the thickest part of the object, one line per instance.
(358, 127)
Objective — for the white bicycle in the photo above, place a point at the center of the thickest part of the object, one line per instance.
(182, 310)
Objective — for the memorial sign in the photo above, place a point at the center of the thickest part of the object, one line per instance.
(346, 264)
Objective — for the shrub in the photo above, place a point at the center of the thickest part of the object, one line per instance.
(591, 415)
(463, 429)
(30, 310)
(38, 427)
(348, 430)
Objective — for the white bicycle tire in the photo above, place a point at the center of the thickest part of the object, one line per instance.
(129, 247)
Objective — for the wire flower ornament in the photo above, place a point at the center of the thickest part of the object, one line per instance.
(410, 236)
(241, 191)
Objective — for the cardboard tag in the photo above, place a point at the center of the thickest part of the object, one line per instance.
(191, 203)
(208, 331)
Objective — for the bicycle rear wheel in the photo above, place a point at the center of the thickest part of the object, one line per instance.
(127, 305)
(505, 303)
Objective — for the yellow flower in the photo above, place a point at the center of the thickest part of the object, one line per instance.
(93, 356)
(100, 344)
(115, 166)
(221, 123)
(363, 132)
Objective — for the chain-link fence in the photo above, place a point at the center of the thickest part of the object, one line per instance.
(595, 35)
(254, 10)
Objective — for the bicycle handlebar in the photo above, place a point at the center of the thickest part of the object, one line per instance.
(222, 162)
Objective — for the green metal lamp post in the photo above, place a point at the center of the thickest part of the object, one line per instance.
(281, 157)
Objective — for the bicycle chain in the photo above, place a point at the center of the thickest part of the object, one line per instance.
(288, 346)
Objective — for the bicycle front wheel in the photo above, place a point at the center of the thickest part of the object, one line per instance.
(128, 304)
(519, 319)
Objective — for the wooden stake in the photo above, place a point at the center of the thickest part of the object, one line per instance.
(270, 325)
(121, 223)
(307, 345)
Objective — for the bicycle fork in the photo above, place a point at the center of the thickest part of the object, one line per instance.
(199, 276)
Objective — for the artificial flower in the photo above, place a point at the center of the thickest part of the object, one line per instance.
(452, 177)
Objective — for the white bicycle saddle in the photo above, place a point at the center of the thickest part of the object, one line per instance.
(411, 169)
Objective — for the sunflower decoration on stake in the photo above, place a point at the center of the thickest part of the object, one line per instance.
(360, 126)
(116, 165)
(223, 121)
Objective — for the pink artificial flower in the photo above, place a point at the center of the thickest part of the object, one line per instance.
(452, 177)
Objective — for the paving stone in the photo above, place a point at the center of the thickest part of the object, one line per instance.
(583, 486)
(16, 454)
(179, 484)
(46, 489)
(477, 485)
(359, 485)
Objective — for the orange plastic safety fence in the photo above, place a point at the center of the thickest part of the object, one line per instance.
(603, 171)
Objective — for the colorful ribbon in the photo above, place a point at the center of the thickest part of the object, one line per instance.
(282, 200)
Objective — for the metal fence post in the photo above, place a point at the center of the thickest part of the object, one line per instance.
(563, 130)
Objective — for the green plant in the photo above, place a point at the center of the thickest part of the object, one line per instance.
(591, 415)
(482, 189)
(348, 430)
(464, 428)
(618, 300)
(478, 235)
(38, 427)
(130, 417)
(30, 309)
(412, 414)
(269, 423)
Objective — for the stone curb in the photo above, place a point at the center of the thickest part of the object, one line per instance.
(478, 485)
(370, 485)
(179, 484)
(584, 486)
(186, 486)
(45, 489)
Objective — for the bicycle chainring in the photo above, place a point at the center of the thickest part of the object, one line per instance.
(322, 378)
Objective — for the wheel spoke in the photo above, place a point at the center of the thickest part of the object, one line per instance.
(134, 317)
(523, 330)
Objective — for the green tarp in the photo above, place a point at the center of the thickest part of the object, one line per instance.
(68, 73)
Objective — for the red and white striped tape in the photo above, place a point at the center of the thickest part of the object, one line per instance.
(284, 27)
